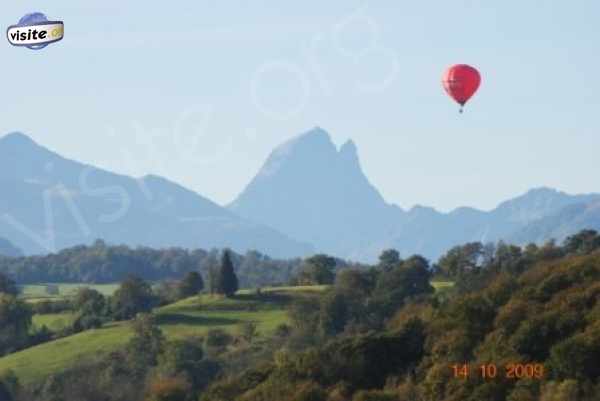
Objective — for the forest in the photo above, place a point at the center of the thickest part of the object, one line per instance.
(514, 323)
(103, 263)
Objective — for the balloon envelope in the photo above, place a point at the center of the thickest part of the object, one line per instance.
(461, 81)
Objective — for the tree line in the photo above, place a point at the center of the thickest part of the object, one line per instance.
(381, 333)
(101, 263)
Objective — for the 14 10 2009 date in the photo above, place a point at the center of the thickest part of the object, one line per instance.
(514, 371)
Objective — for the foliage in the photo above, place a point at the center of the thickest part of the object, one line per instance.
(191, 285)
(168, 389)
(248, 331)
(526, 305)
(379, 333)
(146, 344)
(317, 270)
(133, 296)
(388, 259)
(15, 321)
(102, 263)
(92, 309)
(226, 281)
(7, 286)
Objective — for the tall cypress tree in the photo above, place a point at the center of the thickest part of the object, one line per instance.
(227, 281)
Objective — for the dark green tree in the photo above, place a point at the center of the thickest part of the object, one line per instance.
(91, 307)
(582, 243)
(388, 259)
(226, 281)
(354, 282)
(334, 314)
(7, 285)
(181, 356)
(461, 259)
(509, 259)
(409, 279)
(9, 386)
(15, 322)
(133, 296)
(318, 270)
(146, 344)
(191, 285)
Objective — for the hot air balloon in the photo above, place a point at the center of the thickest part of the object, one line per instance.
(461, 81)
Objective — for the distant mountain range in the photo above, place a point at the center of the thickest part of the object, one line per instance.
(49, 203)
(313, 192)
(308, 197)
(8, 249)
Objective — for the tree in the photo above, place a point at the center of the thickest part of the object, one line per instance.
(318, 270)
(304, 318)
(461, 259)
(90, 299)
(191, 285)
(334, 314)
(9, 386)
(133, 296)
(217, 341)
(582, 243)
(181, 356)
(248, 331)
(227, 281)
(213, 274)
(7, 285)
(354, 282)
(508, 258)
(15, 321)
(145, 345)
(185, 359)
(388, 259)
(91, 307)
(409, 279)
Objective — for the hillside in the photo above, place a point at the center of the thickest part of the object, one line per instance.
(559, 225)
(77, 203)
(189, 317)
(537, 336)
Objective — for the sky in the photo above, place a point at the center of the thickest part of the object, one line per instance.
(200, 92)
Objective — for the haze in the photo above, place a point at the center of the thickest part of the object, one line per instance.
(202, 92)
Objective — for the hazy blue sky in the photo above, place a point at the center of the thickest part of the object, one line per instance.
(201, 91)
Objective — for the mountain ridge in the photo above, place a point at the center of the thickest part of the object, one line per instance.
(77, 203)
(315, 184)
(281, 195)
(8, 249)
(309, 195)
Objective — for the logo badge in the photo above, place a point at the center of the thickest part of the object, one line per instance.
(35, 31)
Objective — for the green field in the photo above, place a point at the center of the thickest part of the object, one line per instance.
(189, 317)
(192, 316)
(40, 292)
(441, 285)
(53, 321)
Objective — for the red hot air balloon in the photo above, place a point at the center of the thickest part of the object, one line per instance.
(461, 81)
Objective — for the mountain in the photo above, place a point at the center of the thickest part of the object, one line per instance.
(308, 196)
(50, 203)
(568, 220)
(8, 249)
(431, 233)
(312, 191)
